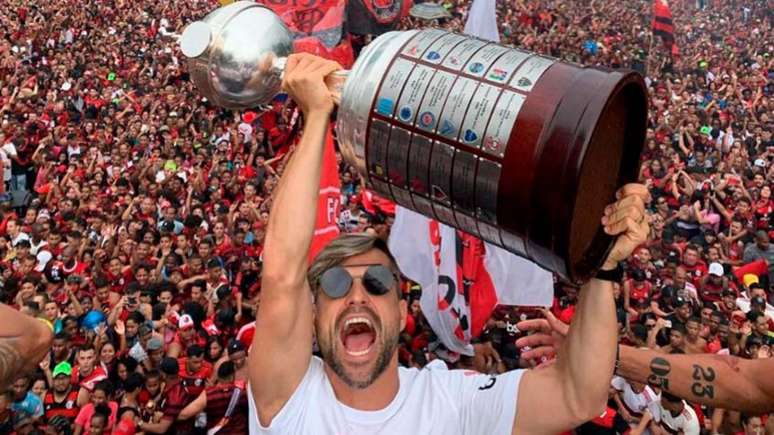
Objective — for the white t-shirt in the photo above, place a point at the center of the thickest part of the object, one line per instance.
(636, 403)
(687, 422)
(428, 402)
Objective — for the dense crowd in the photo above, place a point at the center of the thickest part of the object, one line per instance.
(133, 212)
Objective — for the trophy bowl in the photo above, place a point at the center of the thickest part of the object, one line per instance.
(236, 54)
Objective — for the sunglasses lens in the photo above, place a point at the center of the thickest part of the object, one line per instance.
(378, 280)
(335, 282)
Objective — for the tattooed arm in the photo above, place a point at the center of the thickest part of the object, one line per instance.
(24, 341)
(722, 381)
(725, 382)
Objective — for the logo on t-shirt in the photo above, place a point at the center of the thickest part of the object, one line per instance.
(489, 384)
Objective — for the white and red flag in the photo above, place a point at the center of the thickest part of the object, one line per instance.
(462, 277)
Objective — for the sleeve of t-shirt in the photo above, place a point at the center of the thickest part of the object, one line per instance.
(488, 402)
(294, 408)
(82, 417)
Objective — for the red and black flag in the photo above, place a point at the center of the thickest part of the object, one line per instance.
(662, 23)
(374, 17)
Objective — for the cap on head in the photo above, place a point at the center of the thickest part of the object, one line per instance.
(154, 344)
(185, 322)
(62, 369)
(716, 269)
(235, 346)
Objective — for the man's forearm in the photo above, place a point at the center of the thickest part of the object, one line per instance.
(591, 346)
(294, 208)
(717, 380)
(24, 341)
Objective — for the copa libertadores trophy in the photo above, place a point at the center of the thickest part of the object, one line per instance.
(521, 150)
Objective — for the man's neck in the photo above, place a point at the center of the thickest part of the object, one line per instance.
(61, 396)
(375, 397)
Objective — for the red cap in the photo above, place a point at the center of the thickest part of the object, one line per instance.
(249, 117)
(185, 322)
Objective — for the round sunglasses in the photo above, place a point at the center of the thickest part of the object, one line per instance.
(378, 280)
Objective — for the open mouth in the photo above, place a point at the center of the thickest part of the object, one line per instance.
(358, 336)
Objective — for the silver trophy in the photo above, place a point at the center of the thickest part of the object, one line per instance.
(521, 150)
(237, 54)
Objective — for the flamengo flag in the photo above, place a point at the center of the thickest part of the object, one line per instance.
(462, 278)
(482, 20)
(317, 27)
(326, 228)
(662, 23)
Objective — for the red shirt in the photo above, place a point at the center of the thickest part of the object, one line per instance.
(67, 408)
(641, 292)
(194, 382)
(710, 292)
(88, 382)
(696, 272)
(174, 399)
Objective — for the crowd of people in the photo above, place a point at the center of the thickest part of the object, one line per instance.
(133, 211)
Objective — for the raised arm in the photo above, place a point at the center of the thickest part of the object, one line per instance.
(575, 388)
(24, 341)
(282, 345)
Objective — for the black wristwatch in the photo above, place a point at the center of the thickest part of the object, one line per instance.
(614, 275)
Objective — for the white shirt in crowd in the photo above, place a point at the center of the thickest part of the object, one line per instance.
(7, 152)
(428, 402)
(636, 403)
(686, 422)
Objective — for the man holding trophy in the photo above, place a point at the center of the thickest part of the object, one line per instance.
(518, 149)
(350, 300)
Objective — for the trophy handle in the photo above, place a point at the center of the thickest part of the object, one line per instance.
(335, 80)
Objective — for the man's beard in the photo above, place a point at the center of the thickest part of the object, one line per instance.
(388, 343)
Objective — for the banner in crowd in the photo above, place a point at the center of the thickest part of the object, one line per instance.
(462, 278)
(317, 26)
(662, 23)
(374, 17)
(482, 20)
(326, 227)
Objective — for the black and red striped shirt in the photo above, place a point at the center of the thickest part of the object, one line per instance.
(67, 408)
(218, 398)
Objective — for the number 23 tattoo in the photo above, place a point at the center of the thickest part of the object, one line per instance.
(703, 386)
